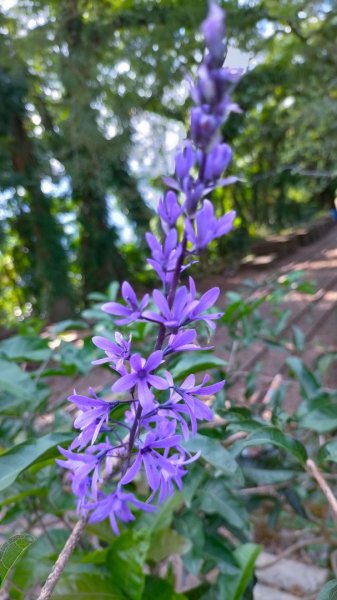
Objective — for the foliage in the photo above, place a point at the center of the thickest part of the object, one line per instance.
(77, 80)
(209, 525)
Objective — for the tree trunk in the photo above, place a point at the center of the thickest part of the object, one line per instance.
(48, 256)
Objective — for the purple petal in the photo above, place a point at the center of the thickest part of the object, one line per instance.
(113, 308)
(154, 360)
(126, 382)
(158, 382)
(133, 470)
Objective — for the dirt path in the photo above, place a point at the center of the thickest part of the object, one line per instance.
(315, 315)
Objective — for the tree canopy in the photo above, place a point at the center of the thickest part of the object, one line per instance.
(75, 76)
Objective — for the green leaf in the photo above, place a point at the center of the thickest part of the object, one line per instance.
(272, 435)
(246, 556)
(86, 586)
(213, 452)
(307, 380)
(328, 452)
(298, 338)
(11, 551)
(261, 476)
(163, 517)
(196, 362)
(126, 559)
(22, 456)
(67, 325)
(217, 499)
(160, 589)
(192, 482)
(320, 413)
(166, 542)
(27, 348)
(15, 381)
(329, 592)
(39, 559)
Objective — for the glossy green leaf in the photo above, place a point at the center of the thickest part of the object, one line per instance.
(67, 325)
(298, 338)
(329, 592)
(160, 589)
(126, 559)
(86, 586)
(166, 542)
(246, 556)
(213, 452)
(15, 381)
(306, 379)
(328, 452)
(11, 551)
(319, 414)
(216, 498)
(27, 348)
(275, 437)
(22, 456)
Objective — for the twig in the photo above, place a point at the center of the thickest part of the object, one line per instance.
(276, 382)
(62, 560)
(314, 471)
(239, 435)
(264, 489)
(290, 550)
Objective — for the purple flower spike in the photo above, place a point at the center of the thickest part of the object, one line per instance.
(217, 161)
(185, 160)
(150, 432)
(182, 341)
(116, 505)
(115, 352)
(141, 377)
(208, 227)
(169, 210)
(213, 29)
(133, 309)
(185, 308)
(164, 257)
(82, 465)
(153, 462)
(94, 414)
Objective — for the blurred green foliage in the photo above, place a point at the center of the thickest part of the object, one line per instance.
(241, 485)
(75, 79)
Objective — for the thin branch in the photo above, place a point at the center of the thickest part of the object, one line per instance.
(290, 550)
(62, 560)
(314, 471)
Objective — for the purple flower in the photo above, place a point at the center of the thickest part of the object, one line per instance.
(141, 377)
(81, 465)
(116, 505)
(152, 460)
(155, 427)
(185, 308)
(115, 352)
(164, 258)
(169, 210)
(182, 341)
(203, 126)
(217, 161)
(213, 29)
(188, 392)
(208, 227)
(133, 309)
(94, 414)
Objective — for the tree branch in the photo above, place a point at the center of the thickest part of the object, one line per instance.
(62, 560)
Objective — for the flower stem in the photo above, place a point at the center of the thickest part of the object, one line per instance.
(62, 560)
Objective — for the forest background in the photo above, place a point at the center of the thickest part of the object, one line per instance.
(93, 103)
